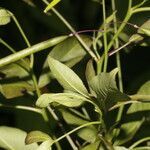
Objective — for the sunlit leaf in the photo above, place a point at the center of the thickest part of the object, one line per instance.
(36, 136)
(69, 51)
(73, 118)
(14, 139)
(66, 99)
(67, 77)
(4, 16)
(45, 145)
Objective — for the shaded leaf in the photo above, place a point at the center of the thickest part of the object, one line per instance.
(36, 136)
(70, 49)
(73, 118)
(66, 99)
(66, 77)
(4, 16)
(104, 85)
(127, 131)
(13, 139)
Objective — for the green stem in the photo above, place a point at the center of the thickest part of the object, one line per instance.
(33, 49)
(127, 17)
(24, 37)
(31, 57)
(105, 37)
(117, 60)
(27, 108)
(140, 97)
(139, 142)
(73, 31)
(76, 129)
(141, 9)
(6, 45)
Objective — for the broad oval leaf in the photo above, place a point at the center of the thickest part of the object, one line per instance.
(14, 139)
(67, 77)
(66, 99)
(4, 16)
(36, 136)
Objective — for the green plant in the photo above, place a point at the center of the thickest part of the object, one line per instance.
(88, 110)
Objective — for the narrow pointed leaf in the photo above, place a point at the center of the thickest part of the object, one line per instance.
(67, 77)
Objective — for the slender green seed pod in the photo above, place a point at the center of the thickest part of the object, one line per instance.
(33, 49)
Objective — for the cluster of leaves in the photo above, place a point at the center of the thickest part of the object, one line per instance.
(101, 93)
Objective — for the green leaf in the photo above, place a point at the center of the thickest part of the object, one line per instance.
(89, 134)
(45, 145)
(4, 16)
(145, 28)
(104, 85)
(70, 49)
(66, 99)
(73, 117)
(36, 136)
(120, 148)
(16, 89)
(139, 107)
(93, 146)
(127, 131)
(13, 139)
(76, 119)
(90, 72)
(66, 77)
(15, 80)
